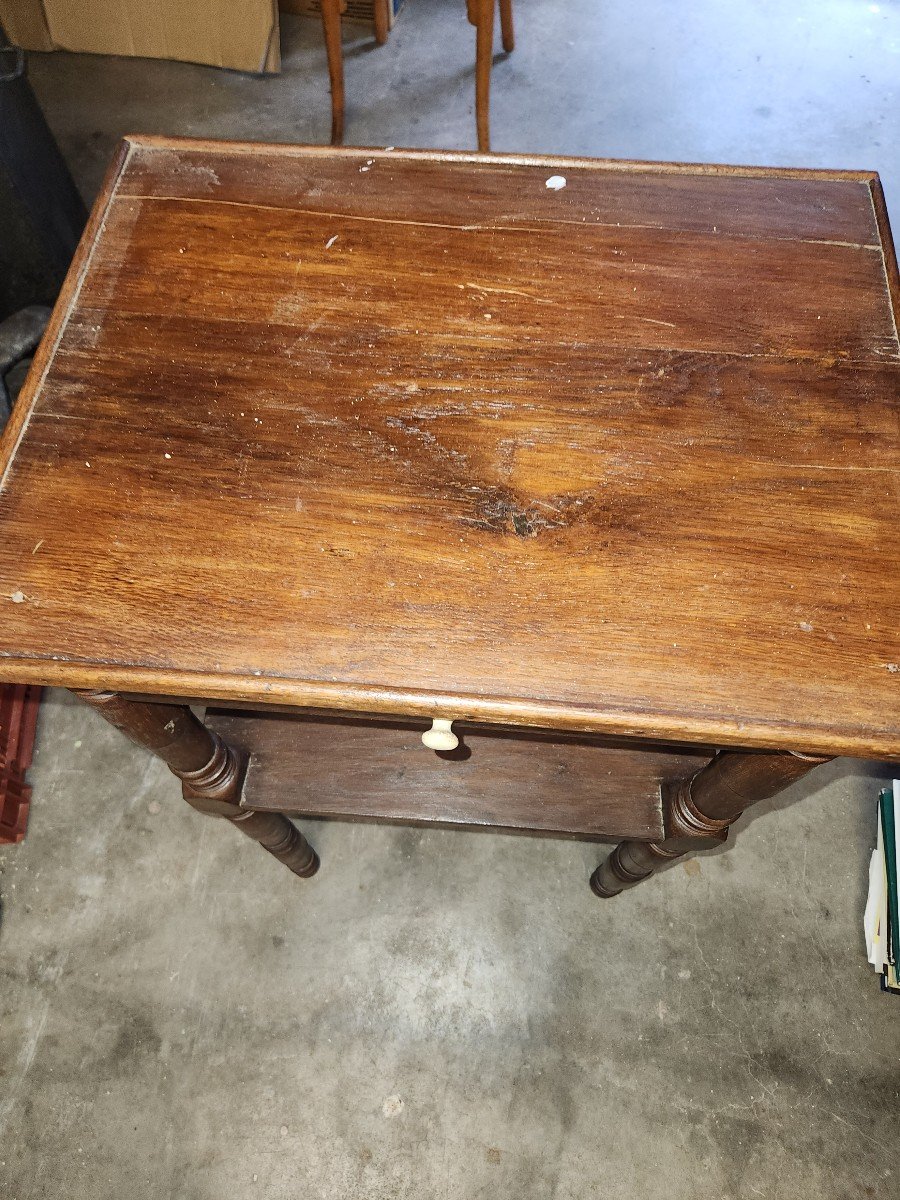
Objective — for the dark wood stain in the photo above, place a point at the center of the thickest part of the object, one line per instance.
(381, 771)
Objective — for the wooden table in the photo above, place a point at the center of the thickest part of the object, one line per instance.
(341, 441)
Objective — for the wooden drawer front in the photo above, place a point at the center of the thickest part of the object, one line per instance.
(518, 780)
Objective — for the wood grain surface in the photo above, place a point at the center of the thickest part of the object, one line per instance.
(498, 779)
(412, 433)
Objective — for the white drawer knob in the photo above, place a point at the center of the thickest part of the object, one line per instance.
(440, 736)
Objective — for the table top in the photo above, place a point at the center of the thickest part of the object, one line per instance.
(420, 433)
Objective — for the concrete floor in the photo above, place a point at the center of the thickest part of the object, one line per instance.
(441, 1014)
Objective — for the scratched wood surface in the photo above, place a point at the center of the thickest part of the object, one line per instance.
(412, 433)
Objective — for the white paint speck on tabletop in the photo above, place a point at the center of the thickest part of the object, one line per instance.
(556, 182)
(18, 597)
(331, 242)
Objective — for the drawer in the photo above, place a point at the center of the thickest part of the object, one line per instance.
(519, 780)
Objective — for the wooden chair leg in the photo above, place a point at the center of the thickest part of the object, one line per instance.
(211, 772)
(331, 25)
(484, 49)
(382, 21)
(698, 812)
(506, 26)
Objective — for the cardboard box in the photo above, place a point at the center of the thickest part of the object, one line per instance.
(360, 11)
(241, 34)
(25, 25)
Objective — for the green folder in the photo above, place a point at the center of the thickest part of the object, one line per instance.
(886, 811)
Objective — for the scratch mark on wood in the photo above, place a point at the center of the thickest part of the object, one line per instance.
(500, 291)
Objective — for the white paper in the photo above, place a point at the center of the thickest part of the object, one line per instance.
(875, 917)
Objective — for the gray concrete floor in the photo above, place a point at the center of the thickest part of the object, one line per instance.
(442, 1014)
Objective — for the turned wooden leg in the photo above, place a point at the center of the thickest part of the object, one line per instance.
(382, 21)
(698, 812)
(484, 49)
(331, 25)
(211, 772)
(506, 26)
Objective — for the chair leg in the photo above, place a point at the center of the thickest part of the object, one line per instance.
(331, 25)
(506, 26)
(382, 21)
(484, 49)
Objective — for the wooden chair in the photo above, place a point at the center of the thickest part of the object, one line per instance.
(481, 15)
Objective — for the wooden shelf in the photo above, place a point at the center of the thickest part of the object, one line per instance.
(514, 780)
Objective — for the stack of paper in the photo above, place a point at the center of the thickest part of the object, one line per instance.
(882, 918)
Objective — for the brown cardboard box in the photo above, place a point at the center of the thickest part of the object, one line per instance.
(241, 34)
(24, 23)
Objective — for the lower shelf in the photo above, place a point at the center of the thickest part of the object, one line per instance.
(513, 780)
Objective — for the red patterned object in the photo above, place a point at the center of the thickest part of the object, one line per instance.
(19, 706)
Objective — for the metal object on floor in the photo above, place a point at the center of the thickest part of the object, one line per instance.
(19, 337)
